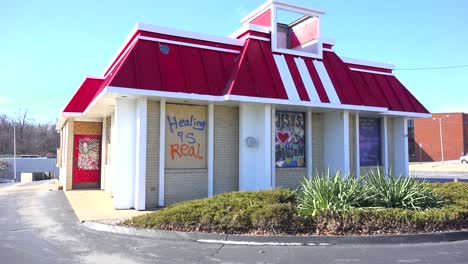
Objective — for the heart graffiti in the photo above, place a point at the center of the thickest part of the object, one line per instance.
(283, 136)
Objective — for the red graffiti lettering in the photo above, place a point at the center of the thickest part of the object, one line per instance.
(185, 150)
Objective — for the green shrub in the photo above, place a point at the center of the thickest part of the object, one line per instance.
(235, 212)
(325, 192)
(278, 218)
(397, 192)
(274, 212)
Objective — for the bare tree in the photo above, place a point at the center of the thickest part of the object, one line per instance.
(6, 141)
(22, 120)
(39, 139)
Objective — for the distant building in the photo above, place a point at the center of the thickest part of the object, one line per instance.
(42, 168)
(428, 142)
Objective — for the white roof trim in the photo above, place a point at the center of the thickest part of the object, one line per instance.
(326, 82)
(70, 114)
(328, 41)
(122, 46)
(407, 114)
(368, 63)
(111, 67)
(189, 34)
(95, 77)
(307, 80)
(239, 98)
(280, 4)
(249, 27)
(373, 72)
(187, 44)
(255, 37)
(172, 32)
(286, 77)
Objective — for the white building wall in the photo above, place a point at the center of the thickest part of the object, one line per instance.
(124, 154)
(255, 161)
(336, 139)
(400, 146)
(103, 153)
(109, 168)
(141, 117)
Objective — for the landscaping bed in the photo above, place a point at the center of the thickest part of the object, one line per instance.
(436, 207)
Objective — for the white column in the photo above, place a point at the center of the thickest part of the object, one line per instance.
(162, 148)
(110, 177)
(357, 144)
(384, 138)
(269, 172)
(273, 147)
(124, 178)
(346, 167)
(309, 144)
(400, 145)
(103, 152)
(140, 173)
(210, 148)
(336, 145)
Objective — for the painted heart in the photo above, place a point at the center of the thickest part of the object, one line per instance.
(283, 136)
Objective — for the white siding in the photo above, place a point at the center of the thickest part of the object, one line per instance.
(226, 149)
(317, 142)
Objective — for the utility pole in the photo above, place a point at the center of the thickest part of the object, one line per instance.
(441, 138)
(14, 152)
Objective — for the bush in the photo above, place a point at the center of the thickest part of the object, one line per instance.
(397, 192)
(325, 192)
(278, 218)
(236, 212)
(274, 212)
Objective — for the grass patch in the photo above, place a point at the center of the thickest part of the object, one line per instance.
(278, 212)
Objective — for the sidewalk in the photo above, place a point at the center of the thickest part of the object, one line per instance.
(41, 186)
(96, 205)
(449, 166)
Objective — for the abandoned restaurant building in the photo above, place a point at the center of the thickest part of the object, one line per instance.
(179, 115)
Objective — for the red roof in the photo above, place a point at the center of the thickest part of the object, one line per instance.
(84, 95)
(166, 63)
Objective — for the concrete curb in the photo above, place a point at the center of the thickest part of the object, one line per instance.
(281, 239)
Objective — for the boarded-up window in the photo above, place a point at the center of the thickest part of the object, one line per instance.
(369, 142)
(186, 142)
(289, 141)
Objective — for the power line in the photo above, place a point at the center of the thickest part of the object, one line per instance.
(433, 68)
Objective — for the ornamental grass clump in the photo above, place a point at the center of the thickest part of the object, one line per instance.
(326, 192)
(390, 191)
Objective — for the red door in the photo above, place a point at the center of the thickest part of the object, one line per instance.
(87, 161)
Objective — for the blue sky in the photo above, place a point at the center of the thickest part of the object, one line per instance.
(47, 47)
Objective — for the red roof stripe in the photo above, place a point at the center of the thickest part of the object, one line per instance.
(338, 75)
(360, 88)
(317, 82)
(273, 70)
(380, 97)
(392, 99)
(301, 90)
(83, 95)
(256, 74)
(400, 93)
